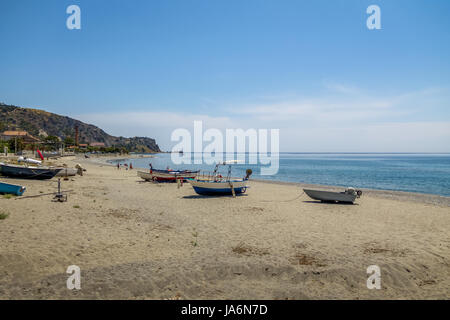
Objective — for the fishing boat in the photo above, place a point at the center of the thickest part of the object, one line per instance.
(218, 185)
(53, 154)
(7, 188)
(167, 175)
(28, 172)
(348, 196)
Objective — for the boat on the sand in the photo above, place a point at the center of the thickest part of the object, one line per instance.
(67, 172)
(219, 185)
(348, 196)
(167, 175)
(28, 172)
(7, 188)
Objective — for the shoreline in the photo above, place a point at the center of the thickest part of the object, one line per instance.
(381, 193)
(429, 198)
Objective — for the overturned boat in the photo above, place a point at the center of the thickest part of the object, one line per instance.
(67, 172)
(348, 196)
(28, 172)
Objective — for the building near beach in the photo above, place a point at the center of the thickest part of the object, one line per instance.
(97, 144)
(27, 138)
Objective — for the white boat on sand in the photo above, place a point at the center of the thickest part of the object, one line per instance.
(348, 196)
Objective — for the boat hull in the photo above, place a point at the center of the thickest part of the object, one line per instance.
(21, 172)
(205, 187)
(7, 188)
(167, 176)
(67, 172)
(329, 196)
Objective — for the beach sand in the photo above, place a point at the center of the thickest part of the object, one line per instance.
(140, 240)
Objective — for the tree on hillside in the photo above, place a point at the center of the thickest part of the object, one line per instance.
(69, 141)
(51, 140)
(51, 143)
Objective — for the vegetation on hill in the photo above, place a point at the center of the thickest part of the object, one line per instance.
(49, 126)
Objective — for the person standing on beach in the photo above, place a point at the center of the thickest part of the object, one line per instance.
(118, 166)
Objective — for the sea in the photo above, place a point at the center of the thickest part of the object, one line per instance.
(411, 172)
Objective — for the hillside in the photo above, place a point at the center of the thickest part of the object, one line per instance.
(39, 122)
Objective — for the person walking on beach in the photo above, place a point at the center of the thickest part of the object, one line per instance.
(118, 166)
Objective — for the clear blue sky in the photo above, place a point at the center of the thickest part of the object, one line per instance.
(306, 67)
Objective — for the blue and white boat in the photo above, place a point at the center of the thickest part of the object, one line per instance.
(7, 188)
(218, 185)
(206, 187)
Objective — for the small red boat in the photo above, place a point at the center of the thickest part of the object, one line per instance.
(167, 175)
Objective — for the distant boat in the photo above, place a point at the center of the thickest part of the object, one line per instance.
(348, 196)
(11, 189)
(167, 175)
(28, 172)
(218, 185)
(53, 154)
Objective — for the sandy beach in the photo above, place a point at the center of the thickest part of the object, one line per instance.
(141, 240)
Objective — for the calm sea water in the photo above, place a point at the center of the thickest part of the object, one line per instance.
(424, 173)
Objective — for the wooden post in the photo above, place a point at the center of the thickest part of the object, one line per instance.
(232, 190)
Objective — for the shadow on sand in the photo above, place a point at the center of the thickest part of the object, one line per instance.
(332, 202)
(198, 196)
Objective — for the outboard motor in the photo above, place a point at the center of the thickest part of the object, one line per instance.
(350, 190)
(353, 191)
(248, 173)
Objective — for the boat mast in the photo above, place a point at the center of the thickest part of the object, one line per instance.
(229, 173)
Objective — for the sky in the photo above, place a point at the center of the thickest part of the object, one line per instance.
(309, 68)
